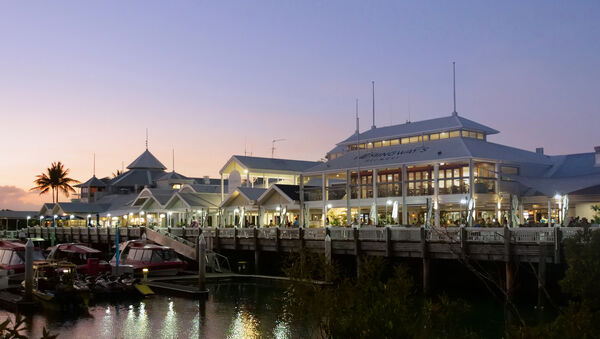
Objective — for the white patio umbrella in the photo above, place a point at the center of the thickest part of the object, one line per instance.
(428, 216)
(283, 214)
(242, 213)
(514, 217)
(395, 212)
(565, 209)
(470, 209)
(373, 213)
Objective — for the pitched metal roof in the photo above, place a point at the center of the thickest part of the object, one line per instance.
(81, 207)
(173, 176)
(419, 127)
(251, 193)
(140, 177)
(146, 161)
(8, 214)
(92, 182)
(200, 200)
(274, 164)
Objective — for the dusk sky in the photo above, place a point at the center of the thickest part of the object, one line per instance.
(206, 78)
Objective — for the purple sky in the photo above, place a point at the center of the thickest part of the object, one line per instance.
(207, 77)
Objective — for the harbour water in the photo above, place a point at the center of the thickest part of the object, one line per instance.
(232, 310)
(240, 310)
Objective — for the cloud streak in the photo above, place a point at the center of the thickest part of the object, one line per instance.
(15, 198)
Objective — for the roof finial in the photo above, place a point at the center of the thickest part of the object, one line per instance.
(146, 138)
(357, 131)
(373, 85)
(454, 86)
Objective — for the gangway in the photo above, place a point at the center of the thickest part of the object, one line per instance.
(215, 261)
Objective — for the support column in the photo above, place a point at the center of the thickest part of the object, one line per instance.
(508, 264)
(426, 263)
(541, 277)
(256, 252)
(436, 195)
(222, 188)
(324, 194)
(550, 212)
(348, 198)
(247, 178)
(471, 191)
(302, 207)
(375, 221)
(404, 193)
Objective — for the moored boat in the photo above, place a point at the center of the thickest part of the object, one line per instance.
(156, 260)
(88, 260)
(12, 258)
(54, 286)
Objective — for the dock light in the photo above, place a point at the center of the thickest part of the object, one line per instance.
(463, 201)
(199, 211)
(557, 197)
(28, 217)
(55, 216)
(328, 205)
(66, 270)
(72, 217)
(442, 163)
(277, 208)
(389, 202)
(245, 171)
(145, 273)
(162, 215)
(141, 212)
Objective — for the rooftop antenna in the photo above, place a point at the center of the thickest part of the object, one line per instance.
(94, 170)
(146, 138)
(373, 86)
(245, 152)
(408, 121)
(273, 146)
(454, 86)
(122, 166)
(173, 156)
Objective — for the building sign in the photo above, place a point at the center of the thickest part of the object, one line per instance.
(390, 155)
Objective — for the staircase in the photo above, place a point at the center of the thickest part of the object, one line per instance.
(214, 261)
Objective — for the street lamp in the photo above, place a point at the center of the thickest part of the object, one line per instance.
(41, 220)
(28, 217)
(463, 201)
(89, 219)
(170, 219)
(54, 220)
(108, 218)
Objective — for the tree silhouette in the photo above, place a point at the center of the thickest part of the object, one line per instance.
(55, 178)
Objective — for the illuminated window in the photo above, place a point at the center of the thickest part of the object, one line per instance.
(176, 186)
(425, 137)
(377, 144)
(435, 136)
(394, 142)
(480, 136)
(370, 145)
(443, 135)
(405, 141)
(454, 134)
(412, 140)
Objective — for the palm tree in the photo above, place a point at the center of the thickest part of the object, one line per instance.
(117, 173)
(55, 179)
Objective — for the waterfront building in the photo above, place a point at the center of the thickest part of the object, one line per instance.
(444, 172)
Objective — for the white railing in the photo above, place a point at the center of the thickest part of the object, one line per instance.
(443, 234)
(488, 235)
(209, 232)
(406, 234)
(315, 233)
(532, 235)
(267, 233)
(341, 233)
(245, 233)
(289, 233)
(226, 232)
(371, 233)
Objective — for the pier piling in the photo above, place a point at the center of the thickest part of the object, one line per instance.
(29, 270)
(202, 263)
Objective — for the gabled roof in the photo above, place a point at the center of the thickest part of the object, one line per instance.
(173, 176)
(9, 214)
(249, 193)
(140, 177)
(271, 164)
(420, 127)
(92, 182)
(432, 151)
(290, 192)
(197, 200)
(80, 207)
(147, 161)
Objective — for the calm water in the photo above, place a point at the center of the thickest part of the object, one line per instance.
(239, 310)
(233, 310)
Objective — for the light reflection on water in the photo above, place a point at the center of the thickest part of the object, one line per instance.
(231, 311)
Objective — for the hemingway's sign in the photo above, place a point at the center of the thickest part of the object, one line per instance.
(389, 155)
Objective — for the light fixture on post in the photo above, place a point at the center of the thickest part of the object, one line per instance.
(28, 217)
(89, 219)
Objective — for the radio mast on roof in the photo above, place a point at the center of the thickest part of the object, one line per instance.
(454, 86)
(373, 85)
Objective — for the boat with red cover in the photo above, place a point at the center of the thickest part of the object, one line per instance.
(136, 255)
(12, 258)
(88, 260)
